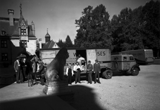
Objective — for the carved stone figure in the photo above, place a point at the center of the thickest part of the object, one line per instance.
(55, 72)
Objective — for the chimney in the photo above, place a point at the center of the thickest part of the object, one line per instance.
(11, 13)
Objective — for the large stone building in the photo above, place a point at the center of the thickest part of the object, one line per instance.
(16, 36)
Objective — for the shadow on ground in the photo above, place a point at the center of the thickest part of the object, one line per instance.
(4, 85)
(7, 76)
(51, 102)
(85, 98)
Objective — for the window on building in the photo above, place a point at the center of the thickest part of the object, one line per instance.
(124, 58)
(23, 31)
(131, 58)
(4, 56)
(3, 32)
(4, 43)
(23, 43)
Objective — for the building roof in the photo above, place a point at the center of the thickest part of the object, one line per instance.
(49, 44)
(5, 26)
(13, 31)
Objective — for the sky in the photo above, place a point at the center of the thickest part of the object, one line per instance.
(59, 15)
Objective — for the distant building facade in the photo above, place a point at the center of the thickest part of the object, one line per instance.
(16, 35)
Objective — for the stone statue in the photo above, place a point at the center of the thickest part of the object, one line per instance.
(55, 72)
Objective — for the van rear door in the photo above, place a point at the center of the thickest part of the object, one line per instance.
(91, 55)
(72, 57)
(104, 57)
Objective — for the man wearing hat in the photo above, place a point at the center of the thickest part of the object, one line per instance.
(97, 71)
(17, 69)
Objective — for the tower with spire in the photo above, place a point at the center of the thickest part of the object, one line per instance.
(27, 34)
(47, 37)
(48, 42)
(23, 29)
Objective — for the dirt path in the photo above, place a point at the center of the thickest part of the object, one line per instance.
(121, 92)
(140, 92)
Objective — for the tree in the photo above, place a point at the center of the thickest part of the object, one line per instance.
(126, 30)
(94, 28)
(68, 42)
(131, 31)
(60, 43)
(137, 28)
(150, 19)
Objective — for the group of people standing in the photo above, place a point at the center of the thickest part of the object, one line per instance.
(92, 71)
(25, 70)
(20, 67)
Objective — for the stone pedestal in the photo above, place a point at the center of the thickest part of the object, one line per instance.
(61, 89)
(56, 87)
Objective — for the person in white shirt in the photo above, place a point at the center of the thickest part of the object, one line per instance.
(77, 71)
(81, 60)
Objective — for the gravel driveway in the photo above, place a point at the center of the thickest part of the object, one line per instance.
(140, 92)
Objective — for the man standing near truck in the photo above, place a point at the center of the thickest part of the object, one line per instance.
(89, 72)
(97, 71)
(77, 71)
(81, 60)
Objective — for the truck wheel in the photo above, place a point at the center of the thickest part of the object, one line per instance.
(107, 74)
(135, 71)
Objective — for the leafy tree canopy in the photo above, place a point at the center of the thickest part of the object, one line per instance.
(137, 28)
(68, 42)
(60, 43)
(93, 28)
(131, 29)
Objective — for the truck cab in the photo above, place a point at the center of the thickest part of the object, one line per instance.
(125, 63)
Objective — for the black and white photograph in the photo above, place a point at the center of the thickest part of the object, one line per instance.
(79, 54)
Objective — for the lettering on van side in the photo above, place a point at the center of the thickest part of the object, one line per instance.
(101, 53)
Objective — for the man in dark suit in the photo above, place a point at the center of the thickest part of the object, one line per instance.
(97, 71)
(89, 72)
(17, 69)
(24, 69)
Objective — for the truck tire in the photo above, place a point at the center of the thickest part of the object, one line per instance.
(107, 74)
(135, 71)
